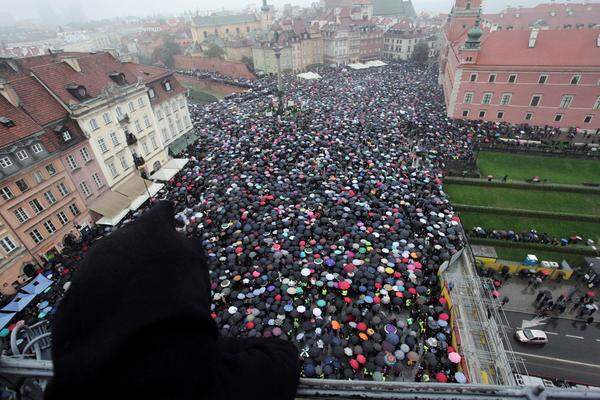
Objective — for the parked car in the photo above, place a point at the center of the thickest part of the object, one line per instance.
(532, 336)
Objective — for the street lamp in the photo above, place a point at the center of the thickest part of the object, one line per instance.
(277, 49)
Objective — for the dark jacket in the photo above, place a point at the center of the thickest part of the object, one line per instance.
(136, 324)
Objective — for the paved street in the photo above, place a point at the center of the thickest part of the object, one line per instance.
(572, 353)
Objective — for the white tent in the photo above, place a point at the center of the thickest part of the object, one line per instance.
(309, 75)
(375, 63)
(358, 66)
(169, 169)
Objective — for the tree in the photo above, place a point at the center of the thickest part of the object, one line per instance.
(420, 53)
(164, 54)
(249, 62)
(214, 51)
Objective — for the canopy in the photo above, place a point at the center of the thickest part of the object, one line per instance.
(133, 187)
(309, 75)
(5, 319)
(375, 63)
(358, 66)
(111, 205)
(167, 171)
(153, 188)
(176, 163)
(37, 285)
(19, 302)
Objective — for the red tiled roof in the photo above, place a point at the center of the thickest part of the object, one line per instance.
(228, 68)
(24, 125)
(148, 73)
(579, 14)
(37, 102)
(558, 47)
(95, 69)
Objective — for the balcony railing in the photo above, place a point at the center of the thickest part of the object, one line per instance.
(130, 138)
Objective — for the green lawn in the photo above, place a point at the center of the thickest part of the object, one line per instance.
(554, 169)
(573, 203)
(518, 254)
(554, 227)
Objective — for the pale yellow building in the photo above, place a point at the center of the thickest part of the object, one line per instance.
(14, 258)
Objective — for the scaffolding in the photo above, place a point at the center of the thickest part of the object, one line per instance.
(480, 325)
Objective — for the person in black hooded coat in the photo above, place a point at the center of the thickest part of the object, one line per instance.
(136, 324)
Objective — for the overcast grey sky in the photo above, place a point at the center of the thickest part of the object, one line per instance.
(98, 9)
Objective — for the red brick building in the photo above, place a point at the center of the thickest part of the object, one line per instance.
(540, 77)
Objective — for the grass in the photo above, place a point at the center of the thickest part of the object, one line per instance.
(573, 203)
(519, 254)
(554, 169)
(557, 228)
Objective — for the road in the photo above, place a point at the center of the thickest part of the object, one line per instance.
(572, 352)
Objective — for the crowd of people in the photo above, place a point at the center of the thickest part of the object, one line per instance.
(530, 236)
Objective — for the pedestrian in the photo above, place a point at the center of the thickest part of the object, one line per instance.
(504, 301)
(589, 321)
(540, 293)
(530, 282)
(504, 178)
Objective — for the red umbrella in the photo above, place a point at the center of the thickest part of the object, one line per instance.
(412, 290)
(440, 377)
(444, 316)
(354, 364)
(591, 294)
(442, 300)
(361, 326)
(344, 285)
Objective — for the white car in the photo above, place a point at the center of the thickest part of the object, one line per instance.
(532, 336)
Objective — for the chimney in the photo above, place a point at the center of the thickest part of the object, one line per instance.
(533, 37)
(73, 62)
(9, 93)
(112, 52)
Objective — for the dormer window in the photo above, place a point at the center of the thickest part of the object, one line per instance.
(66, 135)
(167, 85)
(77, 91)
(118, 78)
(7, 122)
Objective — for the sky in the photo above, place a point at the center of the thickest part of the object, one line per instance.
(99, 9)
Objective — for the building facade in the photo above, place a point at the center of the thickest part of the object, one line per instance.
(371, 41)
(538, 77)
(399, 42)
(15, 260)
(264, 59)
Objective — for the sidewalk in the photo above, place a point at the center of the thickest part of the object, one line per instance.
(522, 299)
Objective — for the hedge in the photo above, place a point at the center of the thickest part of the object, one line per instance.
(584, 251)
(527, 213)
(554, 187)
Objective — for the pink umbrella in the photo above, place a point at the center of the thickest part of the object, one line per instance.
(444, 316)
(454, 357)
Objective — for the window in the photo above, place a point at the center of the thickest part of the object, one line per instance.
(36, 236)
(492, 78)
(151, 93)
(85, 189)
(178, 122)
(535, 100)
(566, 100)
(145, 148)
(37, 148)
(146, 121)
(5, 162)
(50, 228)
(141, 102)
(71, 162)
(119, 111)
(543, 79)
(596, 107)
(106, 117)
(6, 193)
(558, 117)
(165, 135)
(487, 98)
(159, 115)
(38, 176)
(465, 113)
(114, 138)
(112, 169)
(21, 215)
(575, 79)
(123, 160)
(481, 113)
(528, 116)
(74, 209)
(7, 244)
(505, 99)
(93, 124)
(153, 142)
(97, 179)
(36, 206)
(168, 86)
(102, 145)
(85, 154)
(50, 169)
(131, 106)
(586, 120)
(49, 196)
(63, 189)
(22, 185)
(62, 217)
(500, 114)
(138, 126)
(66, 135)
(512, 78)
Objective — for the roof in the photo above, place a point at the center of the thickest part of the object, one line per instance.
(552, 48)
(37, 101)
(227, 68)
(148, 73)
(94, 75)
(218, 20)
(553, 15)
(24, 125)
(394, 7)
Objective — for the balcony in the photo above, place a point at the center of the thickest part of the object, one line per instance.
(123, 119)
(130, 138)
(138, 160)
